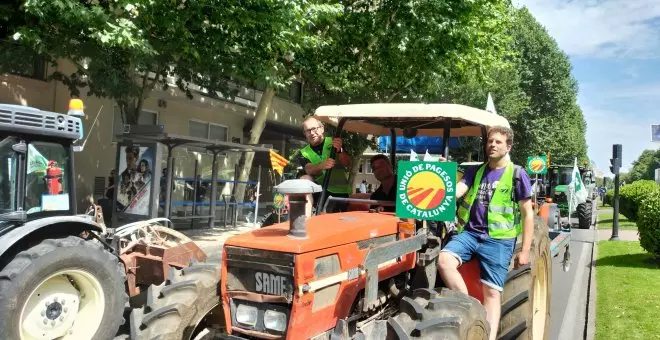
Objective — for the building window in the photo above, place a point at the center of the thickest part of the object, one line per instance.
(367, 167)
(207, 130)
(146, 118)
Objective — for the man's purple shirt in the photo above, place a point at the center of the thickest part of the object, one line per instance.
(478, 221)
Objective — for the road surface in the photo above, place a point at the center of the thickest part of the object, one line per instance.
(570, 289)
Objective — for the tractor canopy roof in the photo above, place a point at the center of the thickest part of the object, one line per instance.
(411, 120)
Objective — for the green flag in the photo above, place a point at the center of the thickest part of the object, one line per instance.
(36, 161)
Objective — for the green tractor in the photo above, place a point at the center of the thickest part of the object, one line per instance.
(558, 179)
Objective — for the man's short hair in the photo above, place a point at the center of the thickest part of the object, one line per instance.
(312, 118)
(504, 131)
(377, 157)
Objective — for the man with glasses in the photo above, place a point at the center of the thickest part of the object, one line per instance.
(315, 160)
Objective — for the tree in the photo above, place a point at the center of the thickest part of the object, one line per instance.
(122, 49)
(271, 47)
(644, 167)
(404, 51)
(534, 90)
(553, 122)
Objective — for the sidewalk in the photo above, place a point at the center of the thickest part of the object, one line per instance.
(624, 235)
(212, 239)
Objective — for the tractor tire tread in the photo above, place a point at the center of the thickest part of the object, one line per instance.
(174, 307)
(439, 314)
(29, 263)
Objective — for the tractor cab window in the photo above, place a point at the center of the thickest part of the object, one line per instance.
(47, 180)
(8, 167)
(562, 176)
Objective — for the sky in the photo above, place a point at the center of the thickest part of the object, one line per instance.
(614, 47)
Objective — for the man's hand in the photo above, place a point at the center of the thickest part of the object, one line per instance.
(327, 164)
(521, 259)
(337, 143)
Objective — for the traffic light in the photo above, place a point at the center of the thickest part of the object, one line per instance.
(615, 161)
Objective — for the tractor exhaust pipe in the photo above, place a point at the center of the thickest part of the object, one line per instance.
(298, 191)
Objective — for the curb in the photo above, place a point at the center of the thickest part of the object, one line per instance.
(590, 327)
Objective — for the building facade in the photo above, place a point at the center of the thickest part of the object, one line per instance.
(203, 116)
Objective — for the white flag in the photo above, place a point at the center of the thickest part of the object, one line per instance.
(577, 193)
(490, 105)
(413, 155)
(427, 157)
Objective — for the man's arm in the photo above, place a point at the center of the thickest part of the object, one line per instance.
(344, 159)
(527, 215)
(461, 189)
(523, 195)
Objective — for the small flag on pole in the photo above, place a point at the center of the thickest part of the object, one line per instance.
(277, 162)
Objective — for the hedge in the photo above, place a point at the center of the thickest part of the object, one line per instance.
(609, 198)
(648, 223)
(631, 196)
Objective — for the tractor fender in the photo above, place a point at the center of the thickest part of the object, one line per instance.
(56, 225)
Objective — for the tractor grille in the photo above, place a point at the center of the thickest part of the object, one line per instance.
(266, 273)
(260, 271)
(27, 120)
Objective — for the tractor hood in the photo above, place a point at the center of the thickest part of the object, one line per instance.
(560, 188)
(323, 231)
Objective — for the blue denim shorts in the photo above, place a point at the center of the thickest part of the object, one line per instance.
(494, 255)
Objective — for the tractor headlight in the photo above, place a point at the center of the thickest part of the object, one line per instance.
(246, 315)
(275, 321)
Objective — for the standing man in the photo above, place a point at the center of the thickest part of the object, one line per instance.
(315, 160)
(496, 209)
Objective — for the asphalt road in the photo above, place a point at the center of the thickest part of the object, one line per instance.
(570, 289)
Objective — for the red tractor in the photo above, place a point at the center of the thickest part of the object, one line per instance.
(360, 274)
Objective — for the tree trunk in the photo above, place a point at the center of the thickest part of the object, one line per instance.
(354, 170)
(255, 134)
(130, 113)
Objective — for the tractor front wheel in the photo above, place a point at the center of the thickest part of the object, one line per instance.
(178, 308)
(65, 288)
(526, 298)
(439, 314)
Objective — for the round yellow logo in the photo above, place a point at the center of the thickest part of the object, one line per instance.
(425, 190)
(537, 164)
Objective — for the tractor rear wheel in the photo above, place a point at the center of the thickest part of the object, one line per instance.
(439, 314)
(62, 288)
(176, 308)
(585, 214)
(526, 298)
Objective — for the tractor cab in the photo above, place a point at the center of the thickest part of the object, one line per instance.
(36, 177)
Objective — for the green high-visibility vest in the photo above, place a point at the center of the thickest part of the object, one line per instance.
(338, 177)
(503, 213)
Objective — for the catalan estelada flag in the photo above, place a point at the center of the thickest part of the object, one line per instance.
(277, 162)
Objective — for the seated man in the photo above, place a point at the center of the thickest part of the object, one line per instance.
(382, 170)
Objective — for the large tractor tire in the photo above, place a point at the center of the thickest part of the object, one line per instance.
(439, 314)
(585, 214)
(175, 309)
(62, 288)
(526, 298)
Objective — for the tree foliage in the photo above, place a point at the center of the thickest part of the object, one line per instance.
(553, 122)
(534, 90)
(644, 167)
(403, 51)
